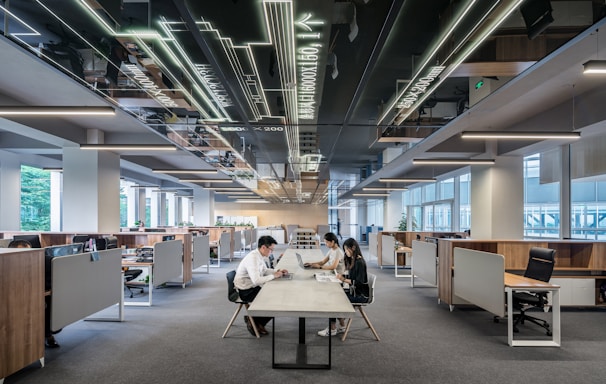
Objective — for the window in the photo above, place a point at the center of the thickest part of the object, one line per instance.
(542, 195)
(35, 199)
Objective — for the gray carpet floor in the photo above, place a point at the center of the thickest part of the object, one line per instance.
(178, 340)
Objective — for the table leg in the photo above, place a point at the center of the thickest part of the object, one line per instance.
(301, 359)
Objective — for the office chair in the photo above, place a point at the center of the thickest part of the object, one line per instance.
(540, 267)
(360, 306)
(129, 275)
(232, 295)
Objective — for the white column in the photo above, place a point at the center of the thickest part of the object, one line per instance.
(172, 202)
(392, 211)
(154, 209)
(497, 199)
(56, 210)
(204, 207)
(91, 191)
(10, 192)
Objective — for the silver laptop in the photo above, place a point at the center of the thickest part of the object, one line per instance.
(301, 263)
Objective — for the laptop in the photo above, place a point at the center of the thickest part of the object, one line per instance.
(301, 263)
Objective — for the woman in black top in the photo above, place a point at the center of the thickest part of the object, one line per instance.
(357, 277)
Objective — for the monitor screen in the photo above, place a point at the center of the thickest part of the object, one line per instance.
(64, 250)
(168, 237)
(34, 240)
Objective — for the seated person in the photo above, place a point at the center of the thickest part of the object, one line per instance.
(356, 278)
(334, 257)
(251, 274)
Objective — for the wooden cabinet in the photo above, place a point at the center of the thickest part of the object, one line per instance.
(21, 309)
(580, 266)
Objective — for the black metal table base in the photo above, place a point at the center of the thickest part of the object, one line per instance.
(301, 361)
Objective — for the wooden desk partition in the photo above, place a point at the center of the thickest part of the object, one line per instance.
(21, 309)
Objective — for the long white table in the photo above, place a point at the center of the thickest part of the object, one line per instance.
(302, 297)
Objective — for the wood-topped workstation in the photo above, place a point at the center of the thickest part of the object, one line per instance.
(580, 266)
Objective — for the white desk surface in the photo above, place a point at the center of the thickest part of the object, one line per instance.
(302, 296)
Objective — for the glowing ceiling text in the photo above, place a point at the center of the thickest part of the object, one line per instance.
(141, 78)
(213, 83)
(307, 66)
(419, 87)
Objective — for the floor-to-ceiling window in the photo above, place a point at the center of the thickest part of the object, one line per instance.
(542, 173)
(588, 189)
(35, 199)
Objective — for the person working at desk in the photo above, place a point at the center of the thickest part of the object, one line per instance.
(50, 339)
(251, 274)
(355, 277)
(334, 258)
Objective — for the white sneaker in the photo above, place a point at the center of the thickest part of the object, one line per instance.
(340, 329)
(327, 331)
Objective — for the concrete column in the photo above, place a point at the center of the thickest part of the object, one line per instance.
(91, 191)
(497, 199)
(10, 192)
(204, 207)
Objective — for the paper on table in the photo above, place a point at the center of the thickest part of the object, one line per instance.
(326, 277)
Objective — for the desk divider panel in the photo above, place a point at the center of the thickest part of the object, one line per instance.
(225, 246)
(424, 261)
(479, 277)
(237, 241)
(387, 249)
(254, 238)
(81, 287)
(201, 247)
(168, 261)
(372, 246)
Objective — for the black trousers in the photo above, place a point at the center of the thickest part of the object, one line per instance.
(249, 296)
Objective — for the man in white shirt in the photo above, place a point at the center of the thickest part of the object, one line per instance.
(252, 273)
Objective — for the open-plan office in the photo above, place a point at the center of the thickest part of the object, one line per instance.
(424, 130)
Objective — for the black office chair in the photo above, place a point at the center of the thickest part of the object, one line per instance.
(129, 276)
(232, 295)
(540, 267)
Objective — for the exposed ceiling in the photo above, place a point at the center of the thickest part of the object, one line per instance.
(291, 98)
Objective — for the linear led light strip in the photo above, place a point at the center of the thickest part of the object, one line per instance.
(453, 161)
(161, 40)
(139, 35)
(525, 135)
(443, 76)
(279, 18)
(164, 25)
(33, 32)
(430, 57)
(230, 52)
(150, 52)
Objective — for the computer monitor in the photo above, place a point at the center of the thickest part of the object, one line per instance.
(168, 237)
(64, 250)
(4, 243)
(34, 240)
(106, 242)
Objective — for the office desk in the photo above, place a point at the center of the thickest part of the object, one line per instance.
(519, 283)
(480, 279)
(402, 250)
(131, 263)
(301, 297)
